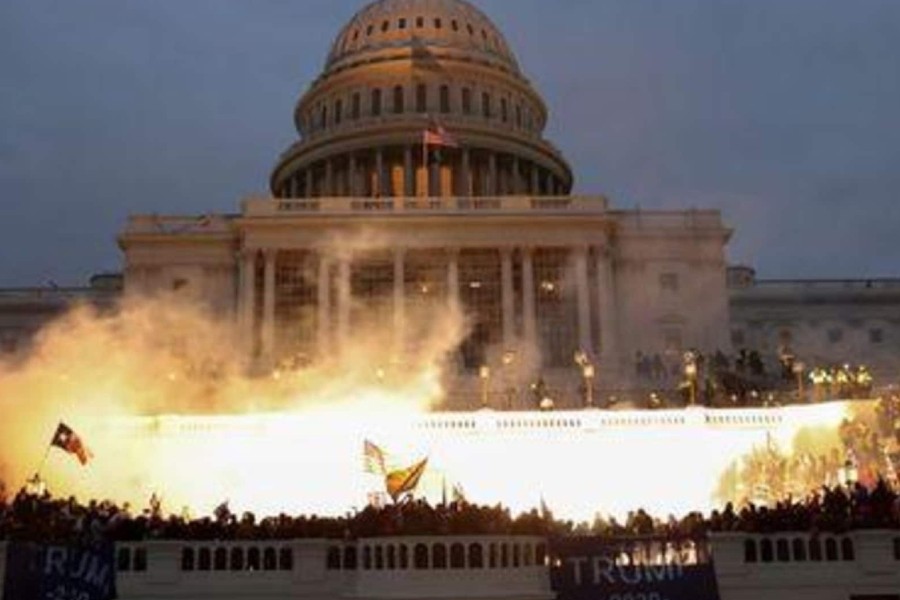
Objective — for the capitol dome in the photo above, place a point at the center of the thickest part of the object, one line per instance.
(399, 68)
(440, 24)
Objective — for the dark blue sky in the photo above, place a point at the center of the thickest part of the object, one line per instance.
(781, 113)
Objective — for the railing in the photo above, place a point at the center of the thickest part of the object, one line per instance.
(269, 207)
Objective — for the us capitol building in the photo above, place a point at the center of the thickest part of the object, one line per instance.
(421, 182)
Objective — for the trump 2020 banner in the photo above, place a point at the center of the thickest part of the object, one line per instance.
(592, 568)
(59, 572)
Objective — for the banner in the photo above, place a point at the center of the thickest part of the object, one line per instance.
(593, 568)
(59, 572)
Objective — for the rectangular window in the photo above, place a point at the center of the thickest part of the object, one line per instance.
(338, 111)
(518, 115)
(421, 98)
(354, 108)
(486, 105)
(668, 282)
(466, 101)
(876, 336)
(401, 24)
(398, 100)
(420, 21)
(835, 335)
(504, 110)
(445, 99)
(376, 103)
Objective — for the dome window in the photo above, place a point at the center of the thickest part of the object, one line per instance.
(401, 23)
(438, 24)
(504, 110)
(355, 35)
(454, 25)
(486, 105)
(385, 25)
(376, 103)
(466, 101)
(370, 29)
(398, 100)
(420, 22)
(354, 106)
(445, 99)
(338, 111)
(421, 98)
(470, 28)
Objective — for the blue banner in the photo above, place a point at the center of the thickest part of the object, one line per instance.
(59, 572)
(593, 568)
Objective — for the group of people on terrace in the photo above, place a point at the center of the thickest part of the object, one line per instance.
(41, 517)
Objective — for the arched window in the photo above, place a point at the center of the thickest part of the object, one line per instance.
(404, 557)
(486, 105)
(526, 555)
(350, 558)
(333, 559)
(504, 556)
(831, 551)
(782, 551)
(540, 555)
(354, 106)
(766, 550)
(445, 99)
(220, 559)
(439, 556)
(269, 562)
(237, 559)
(420, 556)
(516, 559)
(123, 559)
(379, 557)
(750, 555)
(457, 556)
(847, 551)
(253, 559)
(492, 556)
(367, 558)
(391, 557)
(476, 556)
(815, 549)
(421, 98)
(466, 101)
(398, 100)
(187, 559)
(204, 559)
(140, 559)
(375, 108)
(799, 548)
(286, 559)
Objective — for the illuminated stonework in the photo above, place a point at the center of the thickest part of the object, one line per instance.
(365, 228)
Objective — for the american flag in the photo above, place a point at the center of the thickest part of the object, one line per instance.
(438, 136)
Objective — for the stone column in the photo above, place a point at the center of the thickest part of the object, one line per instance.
(453, 300)
(535, 180)
(409, 173)
(584, 305)
(343, 327)
(492, 174)
(323, 290)
(399, 299)
(329, 179)
(508, 302)
(248, 296)
(379, 173)
(353, 178)
(310, 183)
(268, 323)
(606, 309)
(515, 187)
(466, 187)
(528, 305)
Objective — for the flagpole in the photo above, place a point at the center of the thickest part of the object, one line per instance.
(44, 459)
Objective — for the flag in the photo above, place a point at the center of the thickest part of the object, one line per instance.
(373, 459)
(438, 136)
(69, 441)
(404, 481)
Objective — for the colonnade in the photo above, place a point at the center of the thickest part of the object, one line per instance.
(400, 171)
(333, 313)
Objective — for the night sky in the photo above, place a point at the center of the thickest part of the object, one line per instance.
(784, 114)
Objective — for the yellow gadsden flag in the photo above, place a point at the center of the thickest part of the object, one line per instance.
(403, 481)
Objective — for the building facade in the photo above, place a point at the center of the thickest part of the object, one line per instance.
(422, 182)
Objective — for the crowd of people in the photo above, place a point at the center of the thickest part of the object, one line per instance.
(41, 517)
